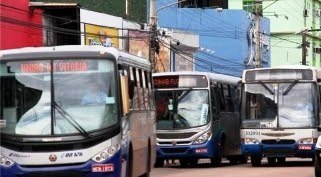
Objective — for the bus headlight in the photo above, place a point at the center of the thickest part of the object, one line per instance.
(306, 141)
(250, 141)
(5, 162)
(107, 153)
(203, 138)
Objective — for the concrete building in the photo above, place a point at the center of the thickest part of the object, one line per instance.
(288, 18)
(226, 36)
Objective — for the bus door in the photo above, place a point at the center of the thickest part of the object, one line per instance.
(229, 119)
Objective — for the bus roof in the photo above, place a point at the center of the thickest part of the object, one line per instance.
(74, 51)
(210, 76)
(316, 71)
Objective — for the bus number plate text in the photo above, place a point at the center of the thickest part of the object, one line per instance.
(252, 133)
(102, 168)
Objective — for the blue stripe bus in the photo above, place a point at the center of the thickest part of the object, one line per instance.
(197, 117)
(75, 111)
(280, 113)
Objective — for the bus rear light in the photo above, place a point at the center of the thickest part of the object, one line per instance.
(107, 153)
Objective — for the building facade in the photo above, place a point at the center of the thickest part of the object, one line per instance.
(19, 26)
(288, 18)
(226, 36)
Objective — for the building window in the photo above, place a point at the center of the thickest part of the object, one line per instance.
(249, 6)
(204, 4)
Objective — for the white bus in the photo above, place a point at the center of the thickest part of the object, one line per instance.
(197, 117)
(279, 113)
(75, 111)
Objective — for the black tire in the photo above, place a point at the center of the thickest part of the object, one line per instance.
(317, 168)
(188, 162)
(159, 163)
(233, 160)
(184, 162)
(147, 174)
(243, 159)
(129, 172)
(281, 160)
(216, 161)
(271, 161)
(256, 161)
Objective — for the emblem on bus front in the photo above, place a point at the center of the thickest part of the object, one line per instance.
(52, 157)
(174, 143)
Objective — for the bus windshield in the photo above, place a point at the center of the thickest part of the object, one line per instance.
(181, 109)
(278, 105)
(78, 97)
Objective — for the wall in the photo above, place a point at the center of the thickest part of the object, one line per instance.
(224, 36)
(19, 26)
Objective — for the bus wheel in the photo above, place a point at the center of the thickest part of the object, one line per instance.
(216, 161)
(317, 167)
(281, 160)
(271, 161)
(159, 163)
(184, 162)
(255, 161)
(243, 159)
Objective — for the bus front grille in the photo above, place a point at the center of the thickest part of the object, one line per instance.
(174, 150)
(175, 135)
(56, 174)
(282, 141)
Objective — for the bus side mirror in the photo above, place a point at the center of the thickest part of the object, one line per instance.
(124, 94)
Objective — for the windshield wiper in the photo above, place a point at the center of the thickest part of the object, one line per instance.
(184, 95)
(71, 120)
(266, 88)
(290, 87)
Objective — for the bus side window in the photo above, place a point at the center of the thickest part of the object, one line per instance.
(214, 105)
(234, 98)
(151, 97)
(220, 97)
(141, 90)
(146, 90)
(228, 98)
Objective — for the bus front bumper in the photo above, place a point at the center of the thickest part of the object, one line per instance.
(209, 149)
(279, 150)
(75, 170)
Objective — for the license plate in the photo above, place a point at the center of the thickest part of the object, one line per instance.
(102, 168)
(305, 147)
(203, 150)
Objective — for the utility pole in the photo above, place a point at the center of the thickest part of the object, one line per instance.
(304, 47)
(257, 35)
(305, 44)
(153, 33)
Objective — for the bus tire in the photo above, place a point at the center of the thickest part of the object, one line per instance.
(216, 161)
(129, 172)
(184, 162)
(271, 161)
(243, 159)
(147, 174)
(159, 163)
(256, 161)
(281, 160)
(317, 168)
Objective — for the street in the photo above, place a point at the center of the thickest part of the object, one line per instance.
(292, 168)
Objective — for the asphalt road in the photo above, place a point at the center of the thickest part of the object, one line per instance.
(292, 168)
